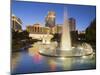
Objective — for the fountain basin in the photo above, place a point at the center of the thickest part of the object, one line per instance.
(63, 54)
(81, 50)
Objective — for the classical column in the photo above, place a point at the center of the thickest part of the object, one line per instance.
(38, 29)
(34, 29)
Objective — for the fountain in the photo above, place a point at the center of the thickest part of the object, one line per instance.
(65, 49)
(46, 38)
(65, 39)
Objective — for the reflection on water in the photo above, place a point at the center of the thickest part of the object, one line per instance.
(34, 53)
(15, 58)
(66, 66)
(52, 64)
(30, 61)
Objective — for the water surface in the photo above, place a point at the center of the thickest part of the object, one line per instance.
(30, 61)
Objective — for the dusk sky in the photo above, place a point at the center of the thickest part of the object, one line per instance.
(33, 12)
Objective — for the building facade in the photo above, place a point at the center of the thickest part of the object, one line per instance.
(37, 29)
(50, 19)
(56, 29)
(72, 24)
(16, 23)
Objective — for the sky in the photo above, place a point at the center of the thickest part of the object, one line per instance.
(35, 12)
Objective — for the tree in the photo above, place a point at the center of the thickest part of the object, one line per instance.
(91, 32)
(56, 37)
